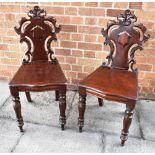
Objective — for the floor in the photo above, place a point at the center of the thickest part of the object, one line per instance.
(101, 133)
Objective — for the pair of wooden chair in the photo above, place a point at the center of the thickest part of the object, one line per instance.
(111, 81)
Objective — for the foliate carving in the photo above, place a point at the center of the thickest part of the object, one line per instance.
(36, 13)
(142, 29)
(28, 53)
(132, 60)
(126, 18)
(124, 36)
(108, 42)
(38, 28)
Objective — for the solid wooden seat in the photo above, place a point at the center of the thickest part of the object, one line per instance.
(39, 74)
(105, 82)
(116, 79)
(40, 71)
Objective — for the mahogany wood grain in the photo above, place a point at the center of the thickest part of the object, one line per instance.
(106, 81)
(116, 79)
(40, 71)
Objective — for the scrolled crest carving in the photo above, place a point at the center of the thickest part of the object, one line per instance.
(36, 13)
(124, 37)
(38, 31)
(126, 18)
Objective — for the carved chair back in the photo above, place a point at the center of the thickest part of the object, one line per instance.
(124, 37)
(38, 31)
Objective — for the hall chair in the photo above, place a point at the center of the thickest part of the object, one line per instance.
(116, 79)
(40, 71)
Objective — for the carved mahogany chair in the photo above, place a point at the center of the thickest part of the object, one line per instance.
(117, 79)
(40, 71)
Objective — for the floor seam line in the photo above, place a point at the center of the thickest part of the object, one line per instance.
(17, 142)
(139, 122)
(5, 102)
(71, 105)
(103, 143)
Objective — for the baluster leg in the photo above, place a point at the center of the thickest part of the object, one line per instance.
(127, 122)
(62, 107)
(81, 108)
(17, 107)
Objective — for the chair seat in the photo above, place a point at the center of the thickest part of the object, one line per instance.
(110, 81)
(37, 74)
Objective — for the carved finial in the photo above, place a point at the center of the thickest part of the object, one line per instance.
(126, 18)
(36, 13)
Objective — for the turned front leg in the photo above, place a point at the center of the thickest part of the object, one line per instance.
(17, 108)
(62, 107)
(127, 122)
(81, 108)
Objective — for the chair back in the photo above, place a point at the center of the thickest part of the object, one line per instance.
(38, 31)
(124, 37)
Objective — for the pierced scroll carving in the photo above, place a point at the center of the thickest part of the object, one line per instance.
(126, 18)
(110, 43)
(38, 31)
(124, 38)
(36, 13)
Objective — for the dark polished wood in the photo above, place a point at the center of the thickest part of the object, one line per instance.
(40, 71)
(62, 107)
(127, 122)
(116, 79)
(100, 101)
(56, 95)
(28, 96)
(17, 107)
(110, 81)
(81, 108)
